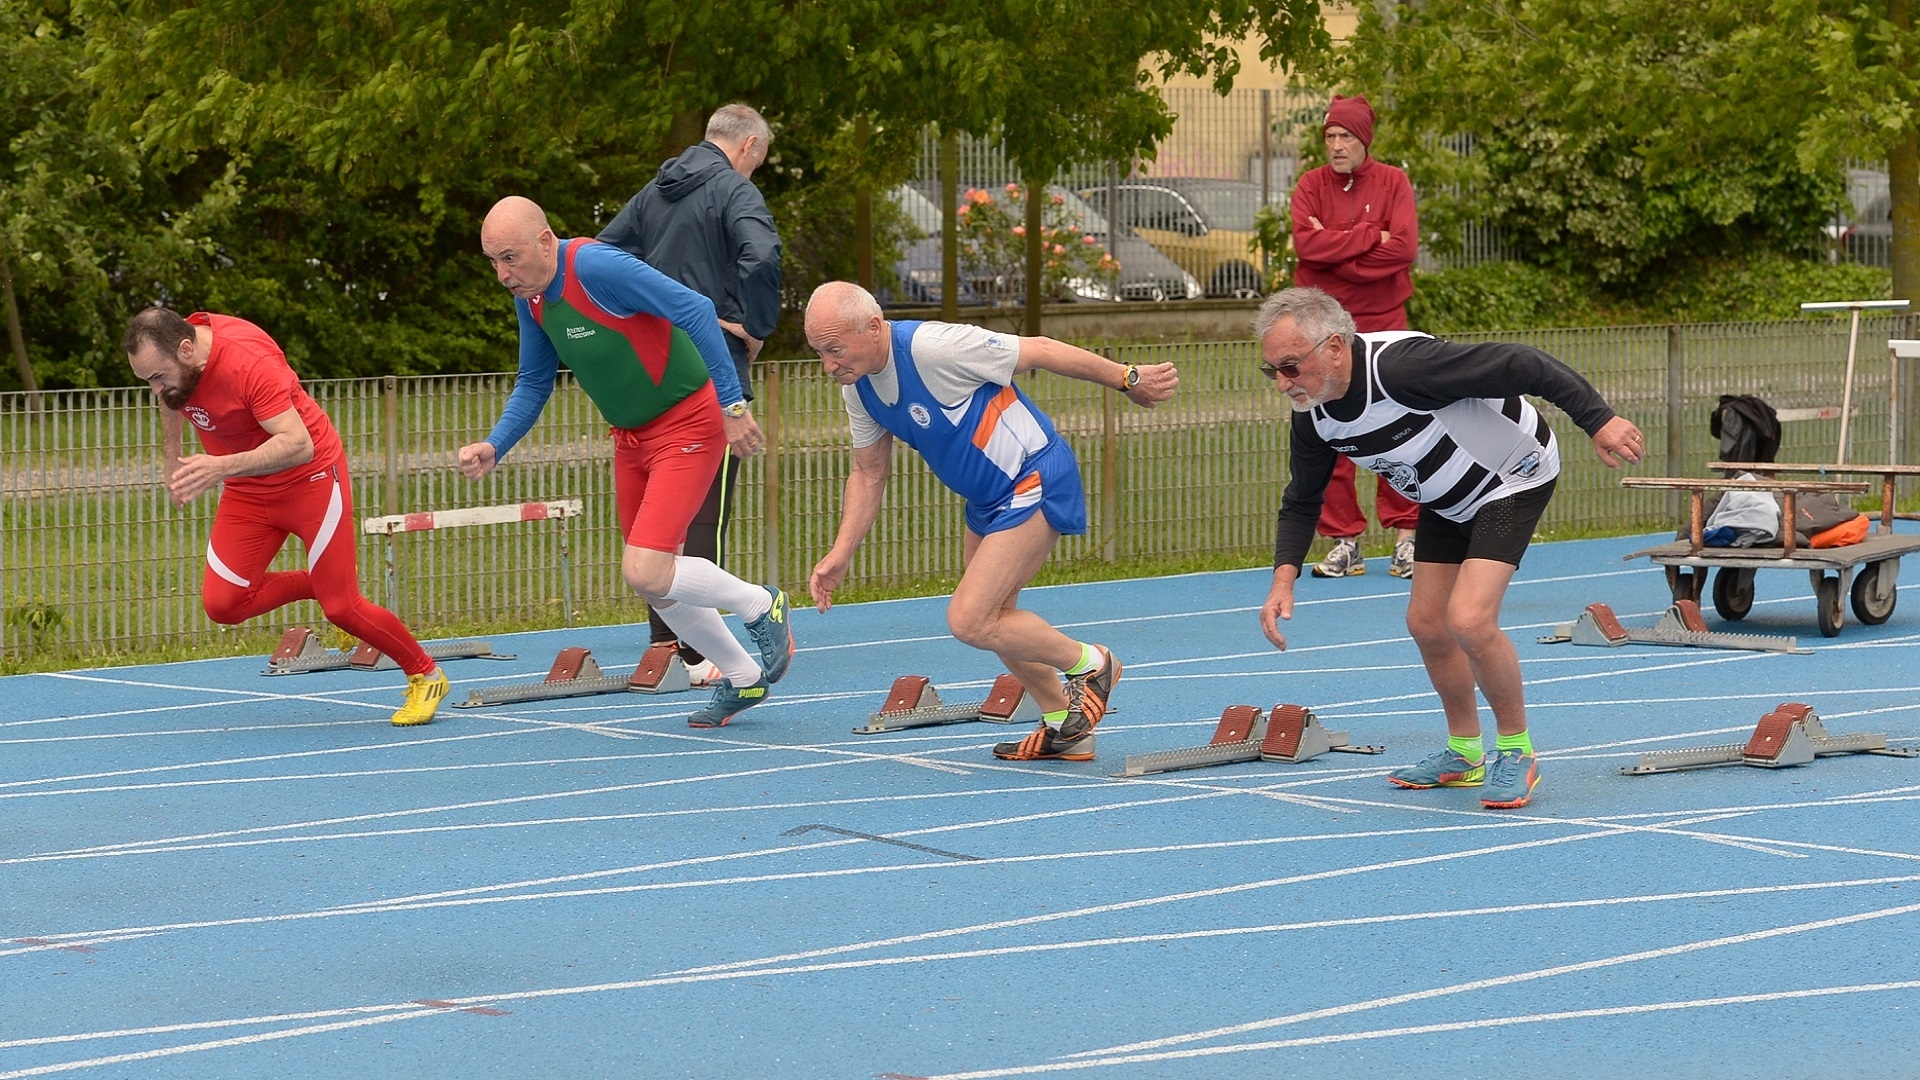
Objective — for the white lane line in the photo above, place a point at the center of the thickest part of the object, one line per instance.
(1515, 978)
(219, 1044)
(255, 759)
(1034, 948)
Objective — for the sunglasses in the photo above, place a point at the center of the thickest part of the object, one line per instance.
(1291, 368)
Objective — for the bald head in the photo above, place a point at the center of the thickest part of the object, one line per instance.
(517, 240)
(845, 326)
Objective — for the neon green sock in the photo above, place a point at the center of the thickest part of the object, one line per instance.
(1467, 746)
(1054, 719)
(1089, 660)
(1514, 744)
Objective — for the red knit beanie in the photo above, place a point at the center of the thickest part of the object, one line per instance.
(1352, 113)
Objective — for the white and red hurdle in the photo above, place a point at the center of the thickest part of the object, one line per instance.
(559, 510)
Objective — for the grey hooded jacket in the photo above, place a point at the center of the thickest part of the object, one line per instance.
(706, 226)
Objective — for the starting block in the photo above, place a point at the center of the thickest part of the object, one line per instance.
(1789, 735)
(300, 651)
(913, 703)
(575, 673)
(1682, 624)
(1290, 733)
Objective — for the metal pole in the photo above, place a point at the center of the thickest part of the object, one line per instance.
(1266, 170)
(390, 400)
(950, 226)
(566, 575)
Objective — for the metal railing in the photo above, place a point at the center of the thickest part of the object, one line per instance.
(96, 561)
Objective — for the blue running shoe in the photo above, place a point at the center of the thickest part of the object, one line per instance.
(773, 637)
(1510, 781)
(728, 703)
(1444, 769)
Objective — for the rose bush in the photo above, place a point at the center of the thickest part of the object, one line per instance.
(993, 249)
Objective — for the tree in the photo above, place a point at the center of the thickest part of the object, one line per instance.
(1624, 139)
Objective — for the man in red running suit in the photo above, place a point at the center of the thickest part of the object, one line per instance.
(1356, 235)
(284, 472)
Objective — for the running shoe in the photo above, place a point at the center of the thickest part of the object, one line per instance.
(1444, 769)
(1344, 560)
(728, 703)
(1087, 694)
(1511, 779)
(704, 673)
(424, 694)
(1045, 743)
(1402, 564)
(773, 637)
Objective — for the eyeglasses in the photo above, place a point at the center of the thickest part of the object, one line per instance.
(1291, 368)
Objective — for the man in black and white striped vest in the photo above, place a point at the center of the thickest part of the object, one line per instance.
(1448, 427)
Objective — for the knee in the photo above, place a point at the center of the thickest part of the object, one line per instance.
(1428, 626)
(1473, 628)
(225, 606)
(970, 628)
(650, 577)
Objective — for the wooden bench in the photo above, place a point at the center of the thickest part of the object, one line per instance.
(1788, 490)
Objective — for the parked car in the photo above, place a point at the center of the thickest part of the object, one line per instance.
(917, 274)
(1206, 226)
(1145, 274)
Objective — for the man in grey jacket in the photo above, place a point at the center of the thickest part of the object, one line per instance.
(702, 223)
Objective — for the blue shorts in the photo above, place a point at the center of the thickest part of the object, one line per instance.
(1050, 485)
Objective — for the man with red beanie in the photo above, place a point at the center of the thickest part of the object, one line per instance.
(1356, 235)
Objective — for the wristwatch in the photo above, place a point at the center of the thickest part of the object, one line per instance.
(736, 410)
(1130, 380)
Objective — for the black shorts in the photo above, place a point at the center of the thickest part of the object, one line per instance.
(1501, 530)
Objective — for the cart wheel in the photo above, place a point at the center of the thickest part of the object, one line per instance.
(1874, 593)
(1733, 593)
(1827, 606)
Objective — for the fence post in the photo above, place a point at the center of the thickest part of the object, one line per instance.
(1109, 471)
(770, 473)
(1676, 419)
(390, 435)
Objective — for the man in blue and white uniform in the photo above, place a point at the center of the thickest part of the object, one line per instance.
(947, 391)
(1447, 426)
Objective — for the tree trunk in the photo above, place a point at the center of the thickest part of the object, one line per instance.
(950, 226)
(17, 338)
(1903, 181)
(1036, 198)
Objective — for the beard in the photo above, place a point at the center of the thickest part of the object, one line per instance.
(175, 397)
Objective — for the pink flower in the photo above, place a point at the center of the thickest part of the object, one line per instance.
(1059, 249)
(1013, 189)
(1059, 200)
(1019, 230)
(978, 197)
(1088, 239)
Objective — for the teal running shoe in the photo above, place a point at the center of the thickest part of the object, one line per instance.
(1511, 779)
(728, 702)
(1444, 769)
(773, 637)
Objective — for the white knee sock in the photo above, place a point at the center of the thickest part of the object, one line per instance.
(699, 582)
(701, 628)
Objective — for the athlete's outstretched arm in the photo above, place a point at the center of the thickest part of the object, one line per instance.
(289, 443)
(1157, 381)
(866, 487)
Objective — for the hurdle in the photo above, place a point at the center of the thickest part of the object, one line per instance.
(1789, 735)
(1682, 624)
(300, 652)
(575, 673)
(393, 525)
(1290, 733)
(914, 703)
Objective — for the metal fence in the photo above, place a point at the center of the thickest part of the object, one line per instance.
(96, 561)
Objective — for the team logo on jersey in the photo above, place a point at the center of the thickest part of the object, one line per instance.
(993, 341)
(577, 333)
(1526, 466)
(1404, 477)
(1343, 448)
(919, 414)
(199, 417)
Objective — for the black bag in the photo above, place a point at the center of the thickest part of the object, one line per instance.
(1747, 427)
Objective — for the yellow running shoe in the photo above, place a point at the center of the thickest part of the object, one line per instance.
(424, 693)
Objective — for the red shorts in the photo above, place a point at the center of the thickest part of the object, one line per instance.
(662, 472)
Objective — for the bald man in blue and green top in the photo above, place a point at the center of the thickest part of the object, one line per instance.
(648, 352)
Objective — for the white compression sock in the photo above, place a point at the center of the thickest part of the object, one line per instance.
(699, 582)
(701, 628)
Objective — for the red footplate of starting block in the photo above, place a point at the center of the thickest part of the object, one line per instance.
(1236, 725)
(1690, 616)
(907, 693)
(1001, 701)
(1284, 725)
(292, 644)
(567, 665)
(653, 665)
(1609, 623)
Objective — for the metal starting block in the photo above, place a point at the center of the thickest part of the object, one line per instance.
(300, 651)
(1682, 624)
(576, 674)
(1290, 733)
(1789, 735)
(913, 703)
